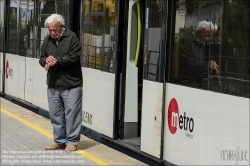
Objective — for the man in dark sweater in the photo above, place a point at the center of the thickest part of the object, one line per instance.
(60, 56)
(193, 68)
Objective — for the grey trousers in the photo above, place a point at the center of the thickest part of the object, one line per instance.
(65, 110)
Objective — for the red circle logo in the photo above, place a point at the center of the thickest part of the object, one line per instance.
(173, 116)
(7, 69)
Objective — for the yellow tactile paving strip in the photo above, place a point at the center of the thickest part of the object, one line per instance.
(47, 134)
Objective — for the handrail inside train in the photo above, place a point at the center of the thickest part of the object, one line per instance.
(138, 34)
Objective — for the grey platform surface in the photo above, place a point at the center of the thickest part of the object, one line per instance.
(22, 143)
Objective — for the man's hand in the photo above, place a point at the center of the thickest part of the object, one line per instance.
(213, 66)
(50, 61)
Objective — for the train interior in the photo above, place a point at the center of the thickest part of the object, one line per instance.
(146, 20)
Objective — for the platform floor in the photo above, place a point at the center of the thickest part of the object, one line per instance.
(24, 135)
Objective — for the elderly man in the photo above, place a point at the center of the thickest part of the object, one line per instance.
(60, 56)
(193, 69)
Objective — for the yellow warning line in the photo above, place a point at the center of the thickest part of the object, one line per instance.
(47, 134)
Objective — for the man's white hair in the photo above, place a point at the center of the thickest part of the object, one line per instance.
(205, 24)
(54, 17)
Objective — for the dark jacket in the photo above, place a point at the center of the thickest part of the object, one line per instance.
(192, 66)
(67, 73)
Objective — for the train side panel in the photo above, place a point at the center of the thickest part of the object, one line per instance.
(21, 77)
(11, 76)
(29, 71)
(1, 71)
(151, 118)
(39, 86)
(204, 127)
(98, 100)
(2, 15)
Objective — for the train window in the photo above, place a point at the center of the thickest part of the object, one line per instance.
(18, 17)
(26, 29)
(196, 54)
(153, 66)
(48, 7)
(22, 27)
(29, 38)
(16, 34)
(2, 9)
(36, 32)
(12, 35)
(97, 34)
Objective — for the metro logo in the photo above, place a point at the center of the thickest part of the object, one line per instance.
(175, 120)
(8, 71)
(173, 116)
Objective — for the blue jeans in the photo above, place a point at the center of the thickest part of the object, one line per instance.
(65, 110)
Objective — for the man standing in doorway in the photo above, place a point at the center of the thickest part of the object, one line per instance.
(60, 56)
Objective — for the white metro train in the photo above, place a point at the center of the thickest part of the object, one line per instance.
(132, 93)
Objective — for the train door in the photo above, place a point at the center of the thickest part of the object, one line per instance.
(15, 57)
(130, 133)
(153, 78)
(2, 15)
(144, 77)
(98, 41)
(28, 64)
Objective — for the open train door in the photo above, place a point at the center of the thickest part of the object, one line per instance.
(98, 27)
(145, 58)
(153, 78)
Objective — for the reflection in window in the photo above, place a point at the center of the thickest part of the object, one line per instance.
(155, 57)
(26, 25)
(12, 36)
(229, 47)
(155, 13)
(17, 37)
(97, 38)
(234, 47)
(30, 41)
(49, 7)
(22, 30)
(1, 25)
(46, 8)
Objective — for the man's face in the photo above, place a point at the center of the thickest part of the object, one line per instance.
(206, 35)
(55, 30)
